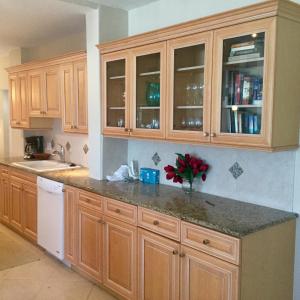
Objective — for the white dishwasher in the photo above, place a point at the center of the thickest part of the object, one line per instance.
(50, 227)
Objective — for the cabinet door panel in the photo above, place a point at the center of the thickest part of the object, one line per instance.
(189, 89)
(71, 225)
(29, 209)
(244, 76)
(14, 101)
(4, 200)
(52, 93)
(23, 102)
(115, 93)
(90, 242)
(120, 263)
(206, 278)
(67, 96)
(148, 91)
(158, 267)
(35, 90)
(80, 88)
(16, 203)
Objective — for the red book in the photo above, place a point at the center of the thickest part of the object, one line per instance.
(237, 88)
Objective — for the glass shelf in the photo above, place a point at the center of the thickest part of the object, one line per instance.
(245, 61)
(116, 107)
(150, 73)
(190, 68)
(189, 107)
(148, 107)
(117, 77)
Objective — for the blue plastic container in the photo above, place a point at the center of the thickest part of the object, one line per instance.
(148, 175)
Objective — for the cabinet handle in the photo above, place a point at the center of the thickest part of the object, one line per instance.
(205, 134)
(117, 210)
(130, 130)
(175, 252)
(101, 222)
(155, 222)
(126, 129)
(75, 127)
(182, 254)
(206, 242)
(18, 123)
(212, 134)
(72, 127)
(41, 112)
(63, 190)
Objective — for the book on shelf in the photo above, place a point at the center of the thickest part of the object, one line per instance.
(242, 46)
(243, 56)
(243, 122)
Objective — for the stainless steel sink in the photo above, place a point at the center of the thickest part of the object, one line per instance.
(44, 165)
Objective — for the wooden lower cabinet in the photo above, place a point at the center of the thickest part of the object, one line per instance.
(90, 242)
(120, 257)
(29, 211)
(204, 277)
(4, 198)
(158, 273)
(16, 190)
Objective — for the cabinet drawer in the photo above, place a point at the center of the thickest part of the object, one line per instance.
(90, 200)
(211, 242)
(4, 171)
(26, 176)
(121, 211)
(159, 223)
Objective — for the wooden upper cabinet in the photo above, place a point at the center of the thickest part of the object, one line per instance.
(207, 278)
(115, 80)
(244, 58)
(189, 61)
(80, 97)
(158, 272)
(18, 100)
(51, 89)
(148, 98)
(35, 93)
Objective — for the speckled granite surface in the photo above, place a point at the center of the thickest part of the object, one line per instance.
(228, 216)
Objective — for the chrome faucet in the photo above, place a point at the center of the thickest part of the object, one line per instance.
(60, 152)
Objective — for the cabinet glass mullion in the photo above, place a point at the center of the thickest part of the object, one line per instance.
(242, 84)
(189, 73)
(115, 97)
(148, 91)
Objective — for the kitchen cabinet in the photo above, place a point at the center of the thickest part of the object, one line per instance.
(222, 77)
(4, 196)
(44, 92)
(70, 224)
(158, 273)
(120, 257)
(16, 191)
(74, 97)
(90, 242)
(134, 102)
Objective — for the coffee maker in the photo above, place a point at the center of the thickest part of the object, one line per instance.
(33, 145)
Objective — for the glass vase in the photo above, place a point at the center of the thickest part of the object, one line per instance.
(187, 187)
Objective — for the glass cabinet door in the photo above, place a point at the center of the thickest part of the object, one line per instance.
(115, 94)
(241, 103)
(189, 87)
(149, 91)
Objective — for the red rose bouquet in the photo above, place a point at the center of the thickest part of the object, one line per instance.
(187, 168)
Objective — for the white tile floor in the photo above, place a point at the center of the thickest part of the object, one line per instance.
(45, 279)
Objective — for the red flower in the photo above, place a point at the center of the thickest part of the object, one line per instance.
(199, 162)
(203, 177)
(177, 179)
(170, 175)
(195, 172)
(187, 157)
(181, 162)
(181, 169)
(169, 168)
(204, 168)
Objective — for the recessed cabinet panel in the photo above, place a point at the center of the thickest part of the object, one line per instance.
(52, 93)
(148, 106)
(23, 100)
(189, 62)
(115, 94)
(35, 82)
(4, 199)
(14, 103)
(243, 72)
(16, 204)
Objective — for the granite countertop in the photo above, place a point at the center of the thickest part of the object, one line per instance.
(228, 216)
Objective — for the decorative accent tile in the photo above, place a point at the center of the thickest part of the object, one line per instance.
(68, 146)
(52, 143)
(85, 149)
(236, 170)
(156, 159)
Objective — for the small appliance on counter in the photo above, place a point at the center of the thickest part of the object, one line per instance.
(148, 175)
(34, 147)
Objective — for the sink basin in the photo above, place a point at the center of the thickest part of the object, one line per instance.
(44, 165)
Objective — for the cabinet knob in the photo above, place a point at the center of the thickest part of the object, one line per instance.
(175, 252)
(182, 254)
(155, 222)
(212, 134)
(72, 126)
(101, 222)
(130, 130)
(206, 242)
(117, 210)
(205, 134)
(41, 112)
(63, 190)
(126, 129)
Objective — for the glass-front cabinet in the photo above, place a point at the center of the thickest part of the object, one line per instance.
(189, 62)
(148, 91)
(115, 80)
(242, 76)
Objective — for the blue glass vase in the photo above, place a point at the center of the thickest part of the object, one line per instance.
(153, 93)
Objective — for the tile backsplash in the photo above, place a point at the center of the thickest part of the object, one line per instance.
(266, 178)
